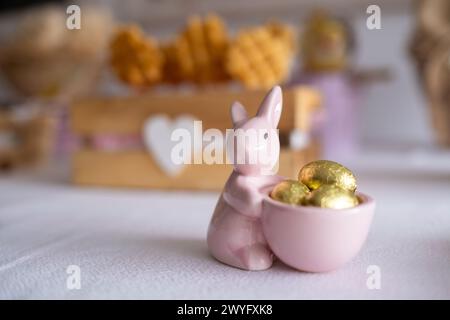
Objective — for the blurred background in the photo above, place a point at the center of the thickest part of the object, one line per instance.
(90, 92)
(380, 88)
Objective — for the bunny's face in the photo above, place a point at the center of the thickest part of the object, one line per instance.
(255, 145)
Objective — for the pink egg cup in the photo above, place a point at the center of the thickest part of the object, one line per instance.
(248, 228)
(316, 239)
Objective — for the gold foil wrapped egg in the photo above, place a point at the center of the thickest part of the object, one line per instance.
(289, 191)
(331, 196)
(325, 172)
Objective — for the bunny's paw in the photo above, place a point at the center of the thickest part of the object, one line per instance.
(255, 257)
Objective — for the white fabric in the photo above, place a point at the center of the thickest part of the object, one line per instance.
(149, 244)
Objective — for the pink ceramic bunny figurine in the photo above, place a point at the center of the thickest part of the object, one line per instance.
(235, 234)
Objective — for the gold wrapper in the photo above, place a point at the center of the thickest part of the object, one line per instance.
(289, 191)
(324, 172)
(331, 196)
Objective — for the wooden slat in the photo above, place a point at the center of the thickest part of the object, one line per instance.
(126, 115)
(137, 169)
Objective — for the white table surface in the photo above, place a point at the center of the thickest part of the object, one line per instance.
(149, 244)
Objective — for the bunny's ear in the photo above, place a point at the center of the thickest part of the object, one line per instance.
(238, 113)
(271, 106)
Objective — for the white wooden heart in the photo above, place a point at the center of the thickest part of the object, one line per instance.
(156, 135)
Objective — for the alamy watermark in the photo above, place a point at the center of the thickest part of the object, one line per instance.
(374, 279)
(73, 21)
(258, 147)
(374, 20)
(73, 281)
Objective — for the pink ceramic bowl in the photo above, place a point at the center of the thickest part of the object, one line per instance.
(316, 239)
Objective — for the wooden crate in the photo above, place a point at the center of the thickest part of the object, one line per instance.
(136, 168)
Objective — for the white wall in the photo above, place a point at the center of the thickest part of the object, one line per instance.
(394, 111)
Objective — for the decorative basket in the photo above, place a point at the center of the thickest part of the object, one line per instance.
(430, 48)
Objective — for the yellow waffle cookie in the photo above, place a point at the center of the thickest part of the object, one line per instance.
(259, 57)
(197, 54)
(136, 60)
(283, 32)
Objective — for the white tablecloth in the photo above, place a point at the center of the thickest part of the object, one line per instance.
(149, 244)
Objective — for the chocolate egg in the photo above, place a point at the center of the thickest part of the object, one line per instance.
(289, 191)
(322, 172)
(331, 196)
